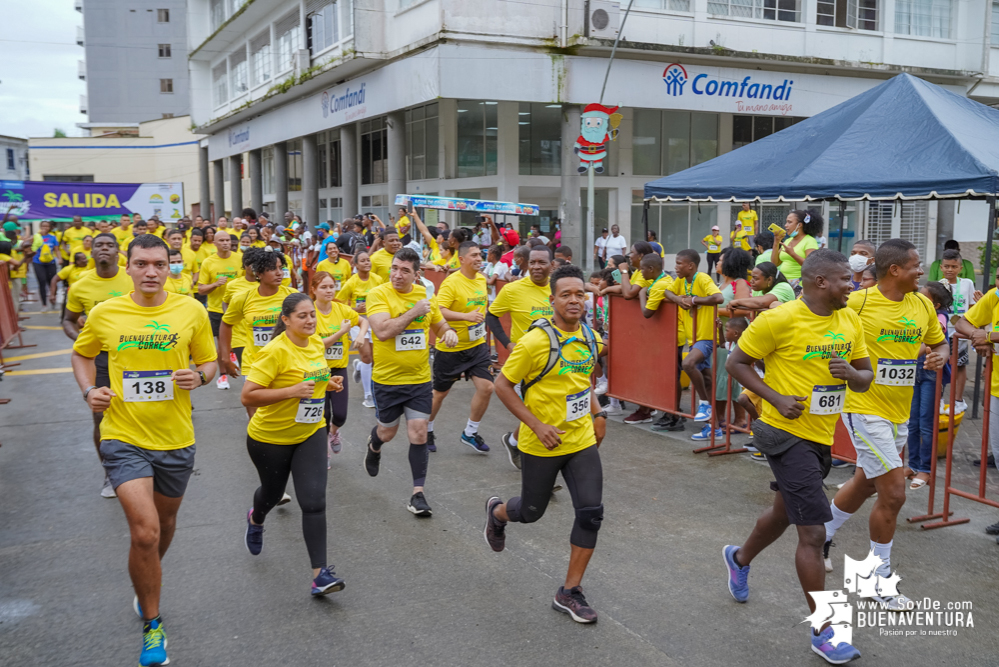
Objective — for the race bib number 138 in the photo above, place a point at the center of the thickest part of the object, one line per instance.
(143, 386)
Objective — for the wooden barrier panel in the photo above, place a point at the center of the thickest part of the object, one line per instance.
(842, 448)
(9, 328)
(642, 359)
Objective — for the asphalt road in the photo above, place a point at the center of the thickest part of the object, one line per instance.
(431, 592)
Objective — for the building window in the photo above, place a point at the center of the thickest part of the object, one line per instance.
(747, 129)
(168, 115)
(267, 169)
(239, 72)
(665, 142)
(321, 147)
(295, 165)
(477, 134)
(162, 15)
(10, 159)
(289, 39)
(164, 50)
(220, 89)
(422, 129)
(335, 158)
(260, 56)
(324, 27)
(856, 14)
(675, 225)
(374, 152)
(540, 130)
(166, 85)
(926, 18)
(668, 5)
(772, 10)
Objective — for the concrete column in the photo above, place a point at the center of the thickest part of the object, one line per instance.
(204, 181)
(569, 209)
(396, 157)
(256, 182)
(280, 180)
(236, 184)
(219, 195)
(348, 169)
(310, 180)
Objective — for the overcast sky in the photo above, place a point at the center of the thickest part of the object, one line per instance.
(39, 87)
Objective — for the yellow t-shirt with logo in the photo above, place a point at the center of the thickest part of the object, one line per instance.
(283, 364)
(213, 268)
(327, 325)
(71, 273)
(796, 345)
(701, 285)
(340, 270)
(556, 396)
(73, 238)
(205, 251)
(233, 288)
(741, 240)
(894, 332)
(179, 285)
(90, 289)
(260, 314)
(145, 345)
(656, 295)
(985, 313)
(714, 242)
(355, 291)
(407, 366)
(525, 302)
(381, 264)
(463, 295)
(191, 262)
(748, 220)
(124, 237)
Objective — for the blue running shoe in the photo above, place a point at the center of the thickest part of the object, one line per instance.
(839, 654)
(703, 412)
(705, 434)
(154, 643)
(327, 582)
(738, 584)
(475, 442)
(254, 535)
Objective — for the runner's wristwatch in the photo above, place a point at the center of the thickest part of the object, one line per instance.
(204, 380)
(88, 390)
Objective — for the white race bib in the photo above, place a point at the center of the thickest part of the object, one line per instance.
(577, 405)
(336, 285)
(287, 273)
(827, 399)
(896, 372)
(712, 248)
(335, 352)
(262, 336)
(476, 331)
(142, 386)
(310, 411)
(411, 339)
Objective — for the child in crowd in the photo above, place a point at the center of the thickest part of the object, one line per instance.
(924, 406)
(733, 330)
(870, 277)
(965, 295)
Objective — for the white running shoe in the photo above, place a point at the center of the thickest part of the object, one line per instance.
(107, 491)
(357, 370)
(222, 382)
(234, 359)
(368, 402)
(285, 499)
(601, 387)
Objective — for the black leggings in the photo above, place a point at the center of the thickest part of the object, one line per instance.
(584, 477)
(45, 273)
(306, 462)
(335, 408)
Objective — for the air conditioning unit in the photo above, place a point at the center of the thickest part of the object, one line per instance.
(603, 19)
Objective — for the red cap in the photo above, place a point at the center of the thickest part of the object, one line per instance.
(512, 237)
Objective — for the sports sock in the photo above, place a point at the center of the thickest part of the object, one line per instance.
(513, 438)
(365, 378)
(883, 551)
(839, 518)
(376, 444)
(418, 458)
(471, 428)
(430, 426)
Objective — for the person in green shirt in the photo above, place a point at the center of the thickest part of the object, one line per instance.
(770, 289)
(967, 270)
(798, 242)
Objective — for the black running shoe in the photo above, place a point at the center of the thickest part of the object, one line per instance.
(993, 529)
(573, 603)
(664, 422)
(495, 530)
(372, 460)
(418, 505)
(511, 450)
(678, 425)
(431, 442)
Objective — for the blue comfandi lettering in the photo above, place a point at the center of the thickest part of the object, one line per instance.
(703, 84)
(348, 100)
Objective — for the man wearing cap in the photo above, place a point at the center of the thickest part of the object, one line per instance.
(600, 248)
(12, 225)
(712, 243)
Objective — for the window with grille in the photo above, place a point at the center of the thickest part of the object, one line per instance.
(668, 5)
(772, 10)
(856, 14)
(164, 51)
(260, 57)
(915, 220)
(295, 165)
(879, 215)
(926, 18)
(288, 40)
(10, 159)
(422, 130)
(239, 73)
(374, 152)
(162, 15)
(323, 24)
(166, 85)
(220, 88)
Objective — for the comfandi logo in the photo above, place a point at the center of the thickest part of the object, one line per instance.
(675, 77)
(350, 99)
(239, 136)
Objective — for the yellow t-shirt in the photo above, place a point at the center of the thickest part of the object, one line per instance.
(381, 264)
(796, 345)
(179, 285)
(283, 364)
(205, 251)
(434, 251)
(525, 302)
(160, 229)
(286, 281)
(191, 262)
(258, 244)
(355, 291)
(90, 289)
(327, 325)
(213, 268)
(657, 291)
(124, 237)
(340, 271)
(260, 313)
(701, 285)
(714, 242)
(462, 295)
(557, 396)
(233, 288)
(71, 273)
(73, 238)
(748, 220)
(145, 346)
(894, 333)
(22, 270)
(637, 278)
(403, 225)
(741, 240)
(404, 359)
(985, 313)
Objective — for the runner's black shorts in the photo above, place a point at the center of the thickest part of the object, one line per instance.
(799, 465)
(392, 401)
(216, 320)
(449, 366)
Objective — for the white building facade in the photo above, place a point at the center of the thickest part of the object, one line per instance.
(14, 159)
(329, 109)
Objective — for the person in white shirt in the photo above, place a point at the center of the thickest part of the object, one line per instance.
(965, 295)
(600, 248)
(495, 270)
(615, 244)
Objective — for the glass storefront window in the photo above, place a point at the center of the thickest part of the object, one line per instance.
(477, 138)
(374, 152)
(540, 132)
(422, 131)
(665, 142)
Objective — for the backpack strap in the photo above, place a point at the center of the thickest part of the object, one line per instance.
(553, 348)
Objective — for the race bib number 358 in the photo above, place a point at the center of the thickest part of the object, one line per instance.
(143, 386)
(827, 399)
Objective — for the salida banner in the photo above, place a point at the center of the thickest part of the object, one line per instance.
(48, 200)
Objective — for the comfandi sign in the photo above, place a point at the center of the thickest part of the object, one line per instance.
(48, 200)
(344, 104)
(759, 94)
(239, 136)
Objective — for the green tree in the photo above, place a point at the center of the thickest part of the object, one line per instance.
(58, 133)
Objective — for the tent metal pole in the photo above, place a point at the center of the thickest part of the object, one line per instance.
(842, 215)
(987, 276)
(645, 219)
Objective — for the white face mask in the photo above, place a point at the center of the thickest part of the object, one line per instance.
(857, 263)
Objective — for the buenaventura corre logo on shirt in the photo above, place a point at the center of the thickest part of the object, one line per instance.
(908, 333)
(542, 311)
(317, 372)
(160, 339)
(837, 343)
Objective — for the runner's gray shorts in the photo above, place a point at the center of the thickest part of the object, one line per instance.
(170, 468)
(878, 442)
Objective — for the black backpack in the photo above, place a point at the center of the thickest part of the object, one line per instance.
(554, 348)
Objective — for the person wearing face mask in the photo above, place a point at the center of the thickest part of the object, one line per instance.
(245, 242)
(177, 281)
(861, 255)
(796, 243)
